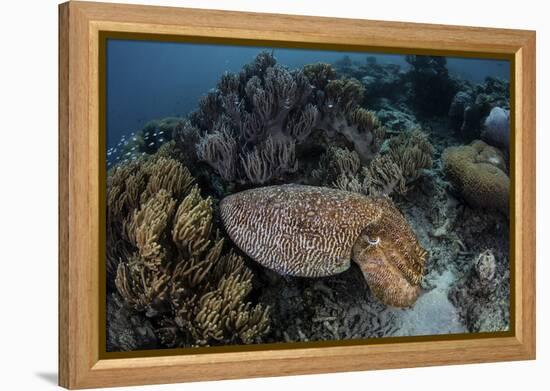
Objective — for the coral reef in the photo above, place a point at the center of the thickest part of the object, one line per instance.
(397, 117)
(314, 231)
(340, 113)
(253, 121)
(473, 103)
(476, 171)
(402, 160)
(168, 263)
(430, 71)
(145, 141)
(382, 81)
(482, 294)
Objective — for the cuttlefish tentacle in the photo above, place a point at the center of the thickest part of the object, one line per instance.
(393, 264)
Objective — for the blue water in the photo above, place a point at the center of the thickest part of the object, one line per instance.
(152, 80)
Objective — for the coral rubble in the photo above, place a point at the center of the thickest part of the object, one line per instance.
(482, 294)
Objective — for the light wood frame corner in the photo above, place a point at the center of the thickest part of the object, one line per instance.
(80, 361)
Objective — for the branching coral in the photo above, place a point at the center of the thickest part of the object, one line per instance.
(476, 172)
(185, 136)
(168, 262)
(268, 160)
(319, 74)
(406, 158)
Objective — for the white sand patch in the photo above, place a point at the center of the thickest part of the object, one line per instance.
(433, 313)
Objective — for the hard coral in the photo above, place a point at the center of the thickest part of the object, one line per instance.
(167, 262)
(476, 170)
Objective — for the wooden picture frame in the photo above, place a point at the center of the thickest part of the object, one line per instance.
(81, 362)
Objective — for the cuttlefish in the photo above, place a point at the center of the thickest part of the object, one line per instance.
(312, 231)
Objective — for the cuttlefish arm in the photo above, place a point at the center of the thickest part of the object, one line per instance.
(392, 261)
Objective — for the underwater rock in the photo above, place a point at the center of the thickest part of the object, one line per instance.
(497, 128)
(476, 172)
(481, 295)
(313, 231)
(465, 116)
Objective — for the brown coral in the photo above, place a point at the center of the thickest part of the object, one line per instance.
(383, 177)
(476, 172)
(169, 262)
(412, 152)
(315, 231)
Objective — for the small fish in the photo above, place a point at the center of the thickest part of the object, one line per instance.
(151, 144)
(128, 153)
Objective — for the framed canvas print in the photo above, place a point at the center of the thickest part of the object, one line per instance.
(251, 195)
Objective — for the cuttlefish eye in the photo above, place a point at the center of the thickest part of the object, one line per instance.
(373, 242)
